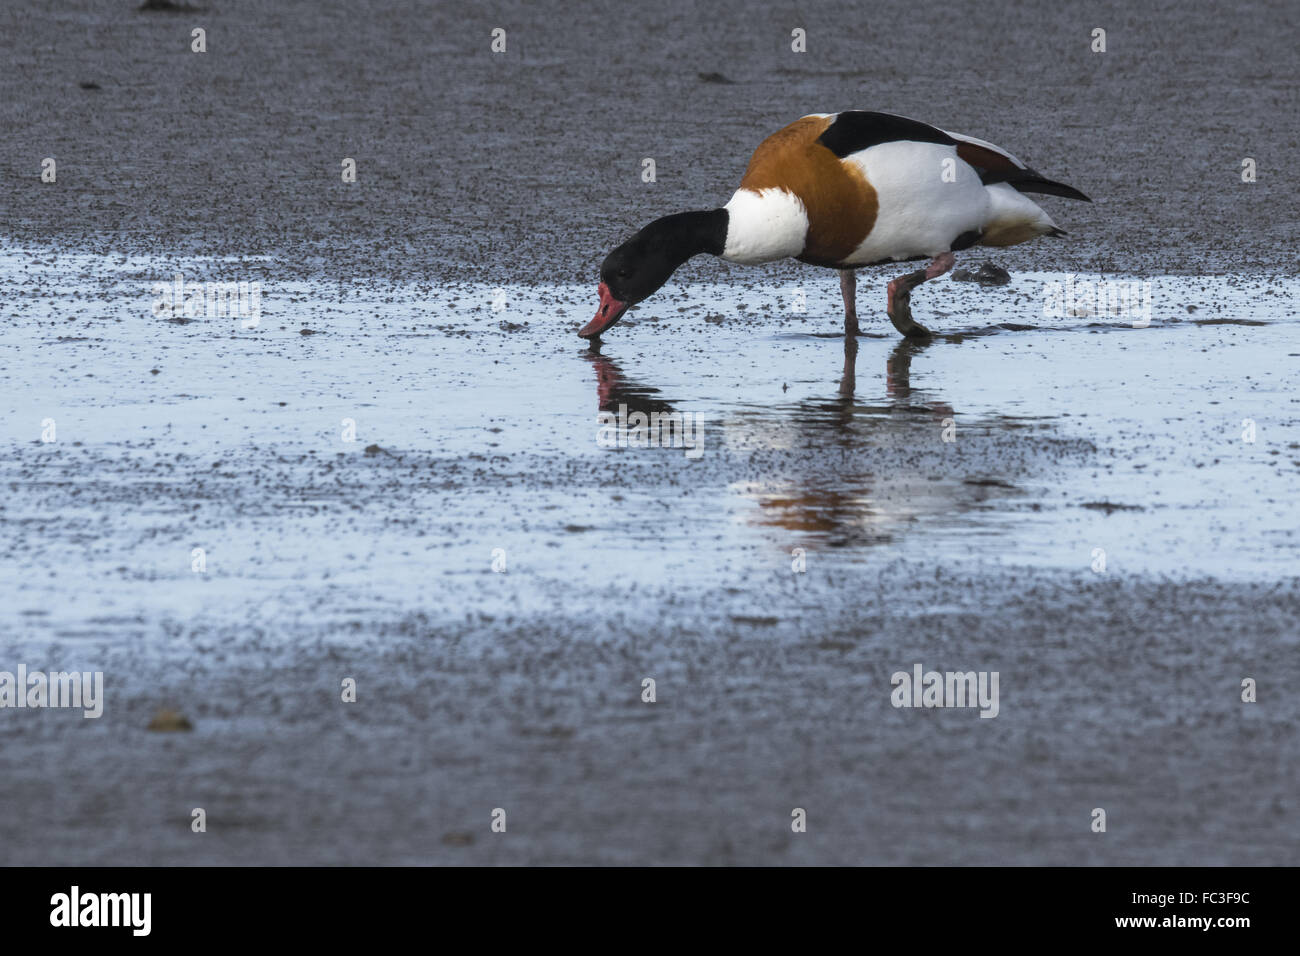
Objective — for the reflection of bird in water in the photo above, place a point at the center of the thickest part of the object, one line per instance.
(849, 498)
(898, 378)
(613, 389)
(632, 416)
(849, 380)
(840, 412)
(842, 471)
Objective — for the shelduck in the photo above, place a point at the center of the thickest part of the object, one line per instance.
(845, 190)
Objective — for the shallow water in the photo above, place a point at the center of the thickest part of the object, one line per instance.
(476, 429)
(1066, 434)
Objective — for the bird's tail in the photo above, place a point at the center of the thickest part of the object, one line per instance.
(1034, 183)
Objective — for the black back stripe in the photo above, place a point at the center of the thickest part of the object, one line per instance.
(856, 130)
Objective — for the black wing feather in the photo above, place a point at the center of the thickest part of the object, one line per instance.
(855, 130)
(1031, 181)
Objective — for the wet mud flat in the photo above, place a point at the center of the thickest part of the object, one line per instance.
(475, 417)
(526, 166)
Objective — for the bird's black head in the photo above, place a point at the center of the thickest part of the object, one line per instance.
(636, 269)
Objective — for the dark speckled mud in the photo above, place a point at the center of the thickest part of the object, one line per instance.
(526, 166)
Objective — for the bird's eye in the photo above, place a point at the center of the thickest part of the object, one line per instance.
(624, 273)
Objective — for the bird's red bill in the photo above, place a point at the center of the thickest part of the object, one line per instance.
(610, 311)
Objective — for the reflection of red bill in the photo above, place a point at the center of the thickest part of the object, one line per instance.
(608, 381)
(610, 311)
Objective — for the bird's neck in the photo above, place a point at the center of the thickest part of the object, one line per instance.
(687, 234)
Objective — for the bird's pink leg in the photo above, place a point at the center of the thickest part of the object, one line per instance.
(849, 290)
(900, 295)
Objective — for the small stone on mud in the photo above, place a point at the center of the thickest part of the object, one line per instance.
(755, 621)
(168, 6)
(1109, 506)
(714, 78)
(988, 274)
(168, 720)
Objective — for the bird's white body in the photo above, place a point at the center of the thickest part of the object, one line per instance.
(925, 196)
(928, 195)
(844, 190)
(764, 225)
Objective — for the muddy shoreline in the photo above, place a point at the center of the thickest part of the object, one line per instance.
(525, 166)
